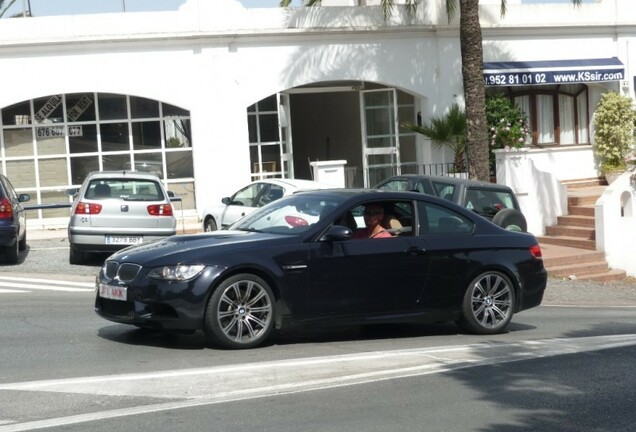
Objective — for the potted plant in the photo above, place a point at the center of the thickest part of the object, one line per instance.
(449, 131)
(613, 133)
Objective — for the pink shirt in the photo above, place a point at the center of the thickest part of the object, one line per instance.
(364, 233)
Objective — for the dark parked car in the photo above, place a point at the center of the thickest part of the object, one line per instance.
(13, 234)
(495, 202)
(294, 262)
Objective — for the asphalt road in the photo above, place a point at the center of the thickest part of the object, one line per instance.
(567, 365)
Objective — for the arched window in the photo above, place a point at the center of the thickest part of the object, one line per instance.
(51, 143)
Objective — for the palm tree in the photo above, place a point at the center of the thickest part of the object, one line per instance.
(446, 131)
(472, 54)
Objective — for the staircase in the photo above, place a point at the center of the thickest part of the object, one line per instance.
(569, 247)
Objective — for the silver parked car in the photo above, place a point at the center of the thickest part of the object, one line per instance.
(116, 209)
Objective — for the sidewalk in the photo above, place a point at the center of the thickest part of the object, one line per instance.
(186, 225)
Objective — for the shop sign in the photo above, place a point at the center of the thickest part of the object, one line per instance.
(59, 131)
(518, 73)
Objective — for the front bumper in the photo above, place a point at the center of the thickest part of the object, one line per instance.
(162, 305)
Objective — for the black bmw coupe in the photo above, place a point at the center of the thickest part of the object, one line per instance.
(298, 262)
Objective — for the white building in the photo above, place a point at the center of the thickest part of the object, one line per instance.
(216, 95)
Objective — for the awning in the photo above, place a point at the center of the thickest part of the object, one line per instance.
(523, 73)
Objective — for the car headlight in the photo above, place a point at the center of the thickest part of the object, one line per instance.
(179, 272)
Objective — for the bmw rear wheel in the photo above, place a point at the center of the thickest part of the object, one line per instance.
(240, 312)
(488, 304)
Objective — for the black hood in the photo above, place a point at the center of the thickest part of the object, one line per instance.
(197, 248)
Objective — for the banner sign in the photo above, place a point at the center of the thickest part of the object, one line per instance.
(48, 108)
(553, 72)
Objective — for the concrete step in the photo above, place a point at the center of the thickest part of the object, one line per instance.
(579, 270)
(572, 242)
(578, 221)
(571, 231)
(581, 211)
(558, 256)
(608, 276)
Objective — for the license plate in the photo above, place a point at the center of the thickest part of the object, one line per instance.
(113, 292)
(127, 240)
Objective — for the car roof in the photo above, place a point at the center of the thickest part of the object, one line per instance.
(121, 173)
(296, 183)
(447, 179)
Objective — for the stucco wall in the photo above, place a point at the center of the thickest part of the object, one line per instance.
(217, 58)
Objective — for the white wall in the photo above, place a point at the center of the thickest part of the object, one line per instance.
(215, 58)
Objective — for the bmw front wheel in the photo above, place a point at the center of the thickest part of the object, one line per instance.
(240, 312)
(488, 304)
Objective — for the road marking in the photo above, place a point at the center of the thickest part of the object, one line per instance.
(18, 283)
(208, 386)
(8, 291)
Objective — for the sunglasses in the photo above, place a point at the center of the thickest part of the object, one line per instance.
(372, 213)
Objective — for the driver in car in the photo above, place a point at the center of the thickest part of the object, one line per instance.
(373, 216)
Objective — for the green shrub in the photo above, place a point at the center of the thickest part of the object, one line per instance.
(507, 125)
(613, 131)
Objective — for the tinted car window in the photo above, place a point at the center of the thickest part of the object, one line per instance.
(487, 202)
(272, 194)
(129, 190)
(396, 185)
(436, 220)
(247, 196)
(444, 190)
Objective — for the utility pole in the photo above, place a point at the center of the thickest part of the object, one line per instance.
(123, 5)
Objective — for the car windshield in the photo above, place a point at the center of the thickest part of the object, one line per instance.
(290, 215)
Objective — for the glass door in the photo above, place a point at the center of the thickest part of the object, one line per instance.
(285, 134)
(380, 137)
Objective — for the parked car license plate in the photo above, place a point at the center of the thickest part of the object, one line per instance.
(113, 292)
(129, 240)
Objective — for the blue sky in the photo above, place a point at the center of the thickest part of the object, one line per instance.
(68, 7)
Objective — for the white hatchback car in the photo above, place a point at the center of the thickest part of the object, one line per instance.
(251, 197)
(115, 209)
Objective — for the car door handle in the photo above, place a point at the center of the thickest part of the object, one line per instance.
(414, 250)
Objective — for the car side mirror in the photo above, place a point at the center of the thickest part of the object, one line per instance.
(171, 194)
(226, 200)
(337, 233)
(72, 191)
(24, 197)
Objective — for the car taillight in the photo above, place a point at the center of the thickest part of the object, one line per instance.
(6, 211)
(296, 221)
(160, 210)
(535, 251)
(87, 208)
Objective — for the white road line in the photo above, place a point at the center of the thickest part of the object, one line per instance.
(207, 386)
(22, 285)
(44, 287)
(46, 281)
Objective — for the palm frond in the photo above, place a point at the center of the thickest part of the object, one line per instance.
(451, 9)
